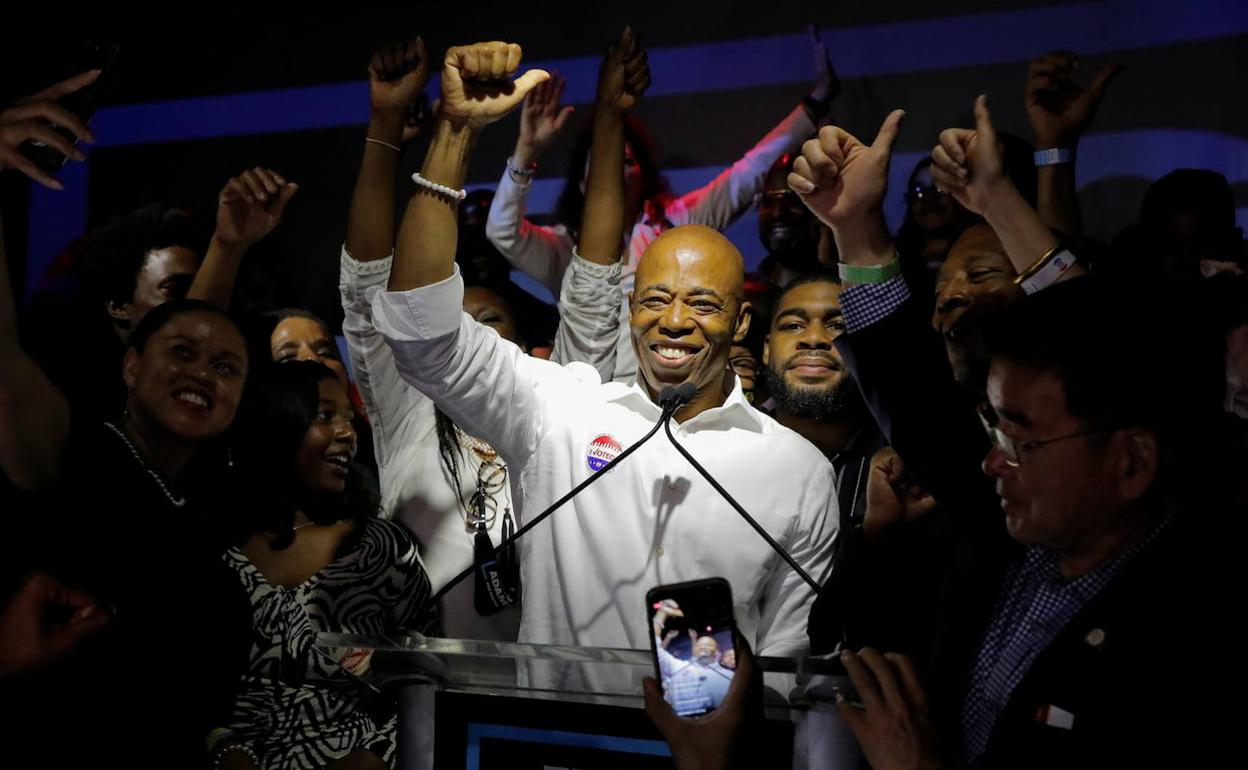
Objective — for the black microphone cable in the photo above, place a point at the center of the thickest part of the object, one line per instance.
(685, 393)
(669, 399)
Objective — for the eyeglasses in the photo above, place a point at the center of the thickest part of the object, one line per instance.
(1012, 448)
(786, 198)
(919, 193)
(482, 507)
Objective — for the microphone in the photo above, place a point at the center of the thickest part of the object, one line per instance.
(672, 399)
(678, 397)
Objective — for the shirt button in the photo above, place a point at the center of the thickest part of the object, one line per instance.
(672, 485)
(658, 551)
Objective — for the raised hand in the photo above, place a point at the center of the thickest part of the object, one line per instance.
(477, 88)
(541, 120)
(251, 206)
(969, 163)
(1058, 108)
(624, 74)
(33, 118)
(839, 178)
(397, 74)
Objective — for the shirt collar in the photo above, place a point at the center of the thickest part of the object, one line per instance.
(736, 407)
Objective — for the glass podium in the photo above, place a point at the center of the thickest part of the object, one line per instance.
(479, 705)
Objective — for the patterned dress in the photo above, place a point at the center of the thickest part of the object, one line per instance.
(299, 707)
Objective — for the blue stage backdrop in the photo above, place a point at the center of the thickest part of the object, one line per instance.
(718, 86)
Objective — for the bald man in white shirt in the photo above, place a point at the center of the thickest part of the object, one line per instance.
(654, 519)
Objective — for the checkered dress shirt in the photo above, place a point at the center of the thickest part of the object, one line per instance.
(867, 303)
(1034, 605)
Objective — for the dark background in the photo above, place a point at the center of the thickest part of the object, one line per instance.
(1178, 102)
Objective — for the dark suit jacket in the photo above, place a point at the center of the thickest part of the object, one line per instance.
(1126, 667)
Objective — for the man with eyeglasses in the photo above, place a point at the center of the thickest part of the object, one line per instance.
(1098, 417)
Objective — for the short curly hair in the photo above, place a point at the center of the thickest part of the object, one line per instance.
(116, 251)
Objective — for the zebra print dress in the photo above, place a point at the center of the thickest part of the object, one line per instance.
(299, 707)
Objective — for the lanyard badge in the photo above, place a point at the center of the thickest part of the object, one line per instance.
(497, 577)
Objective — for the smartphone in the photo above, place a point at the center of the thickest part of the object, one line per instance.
(693, 639)
(83, 102)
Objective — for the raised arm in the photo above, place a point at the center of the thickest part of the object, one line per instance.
(897, 360)
(969, 164)
(34, 416)
(397, 412)
(249, 207)
(476, 91)
(1060, 110)
(590, 296)
(396, 76)
(543, 253)
(722, 200)
(622, 79)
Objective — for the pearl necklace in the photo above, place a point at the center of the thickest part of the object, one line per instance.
(178, 501)
(481, 449)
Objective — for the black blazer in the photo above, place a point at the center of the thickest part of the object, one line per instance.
(1124, 667)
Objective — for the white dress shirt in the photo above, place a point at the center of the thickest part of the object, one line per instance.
(654, 520)
(544, 253)
(415, 485)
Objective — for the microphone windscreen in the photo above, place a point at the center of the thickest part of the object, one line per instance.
(686, 391)
(667, 394)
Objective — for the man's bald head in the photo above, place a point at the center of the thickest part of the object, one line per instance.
(688, 307)
(696, 242)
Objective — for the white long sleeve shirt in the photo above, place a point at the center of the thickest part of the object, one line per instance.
(544, 253)
(653, 520)
(415, 485)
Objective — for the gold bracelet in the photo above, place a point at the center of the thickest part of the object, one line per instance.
(1039, 264)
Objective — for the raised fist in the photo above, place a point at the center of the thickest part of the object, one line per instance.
(477, 88)
(624, 75)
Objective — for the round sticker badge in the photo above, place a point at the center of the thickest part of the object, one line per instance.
(601, 451)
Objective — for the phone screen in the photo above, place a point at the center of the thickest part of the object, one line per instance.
(693, 637)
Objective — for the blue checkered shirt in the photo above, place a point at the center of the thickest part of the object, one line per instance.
(867, 303)
(1034, 605)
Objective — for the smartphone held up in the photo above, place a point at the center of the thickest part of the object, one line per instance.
(693, 640)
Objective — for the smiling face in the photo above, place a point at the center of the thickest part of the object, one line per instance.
(705, 650)
(189, 378)
(688, 309)
(974, 284)
(805, 372)
(328, 447)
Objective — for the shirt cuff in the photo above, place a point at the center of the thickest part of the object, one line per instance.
(867, 303)
(423, 313)
(354, 272)
(611, 272)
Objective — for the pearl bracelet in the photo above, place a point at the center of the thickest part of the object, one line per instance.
(442, 189)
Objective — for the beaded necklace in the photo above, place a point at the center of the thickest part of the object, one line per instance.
(177, 501)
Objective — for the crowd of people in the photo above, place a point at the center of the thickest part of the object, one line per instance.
(1008, 454)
